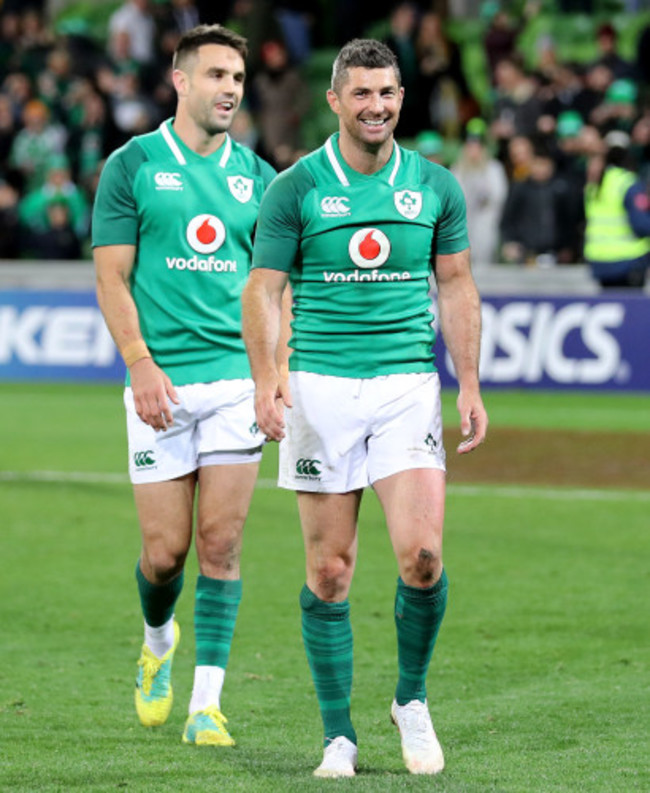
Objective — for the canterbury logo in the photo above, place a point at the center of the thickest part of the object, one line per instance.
(307, 467)
(168, 181)
(143, 459)
(335, 205)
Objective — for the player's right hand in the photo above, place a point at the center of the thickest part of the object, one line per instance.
(152, 390)
(270, 400)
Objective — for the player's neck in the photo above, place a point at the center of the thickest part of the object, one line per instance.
(195, 137)
(365, 159)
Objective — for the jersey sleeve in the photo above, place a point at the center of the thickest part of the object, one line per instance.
(115, 213)
(451, 232)
(279, 225)
(267, 172)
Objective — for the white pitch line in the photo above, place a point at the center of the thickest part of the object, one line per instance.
(85, 477)
(552, 493)
(498, 491)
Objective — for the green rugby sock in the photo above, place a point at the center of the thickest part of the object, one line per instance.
(327, 635)
(418, 616)
(157, 601)
(215, 614)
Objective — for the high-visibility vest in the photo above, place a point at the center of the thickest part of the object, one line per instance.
(609, 236)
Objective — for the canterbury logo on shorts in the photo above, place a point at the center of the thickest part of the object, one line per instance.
(308, 468)
(144, 459)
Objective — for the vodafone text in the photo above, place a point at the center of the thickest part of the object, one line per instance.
(209, 265)
(373, 275)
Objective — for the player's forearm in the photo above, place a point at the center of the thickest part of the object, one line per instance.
(120, 312)
(459, 307)
(261, 311)
(283, 351)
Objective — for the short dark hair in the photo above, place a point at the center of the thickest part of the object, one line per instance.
(364, 54)
(196, 37)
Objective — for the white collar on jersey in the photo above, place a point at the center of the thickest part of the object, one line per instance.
(338, 170)
(180, 157)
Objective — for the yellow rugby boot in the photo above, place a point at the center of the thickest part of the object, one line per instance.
(207, 728)
(153, 685)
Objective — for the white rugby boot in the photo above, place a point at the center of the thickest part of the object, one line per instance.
(421, 750)
(339, 759)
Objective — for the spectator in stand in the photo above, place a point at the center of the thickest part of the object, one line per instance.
(92, 138)
(617, 207)
(430, 144)
(597, 79)
(54, 82)
(446, 101)
(295, 18)
(17, 86)
(9, 224)
(641, 144)
(135, 18)
(401, 40)
(133, 111)
(569, 152)
(501, 35)
(535, 227)
(181, 15)
(280, 99)
(9, 42)
(500, 40)
(8, 128)
(570, 159)
(58, 240)
(643, 59)
(618, 110)
(120, 54)
(34, 44)
(257, 22)
(566, 92)
(59, 187)
(484, 182)
(517, 106)
(243, 128)
(519, 158)
(607, 39)
(36, 143)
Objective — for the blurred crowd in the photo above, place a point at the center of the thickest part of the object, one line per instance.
(526, 154)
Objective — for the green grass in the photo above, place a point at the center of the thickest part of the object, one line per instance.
(539, 681)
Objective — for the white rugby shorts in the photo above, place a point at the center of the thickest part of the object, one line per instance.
(344, 433)
(214, 424)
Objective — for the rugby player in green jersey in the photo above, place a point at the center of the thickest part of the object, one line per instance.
(357, 227)
(172, 235)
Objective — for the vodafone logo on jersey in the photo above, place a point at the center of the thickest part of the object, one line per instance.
(369, 248)
(205, 233)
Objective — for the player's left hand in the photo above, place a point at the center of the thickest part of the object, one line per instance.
(473, 420)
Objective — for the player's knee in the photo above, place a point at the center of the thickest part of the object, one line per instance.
(220, 554)
(219, 546)
(421, 567)
(332, 578)
(163, 563)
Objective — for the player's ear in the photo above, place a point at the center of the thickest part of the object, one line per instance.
(333, 101)
(181, 81)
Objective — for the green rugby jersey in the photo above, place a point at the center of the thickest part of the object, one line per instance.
(359, 251)
(192, 220)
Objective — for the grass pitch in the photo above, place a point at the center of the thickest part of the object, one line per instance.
(539, 680)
